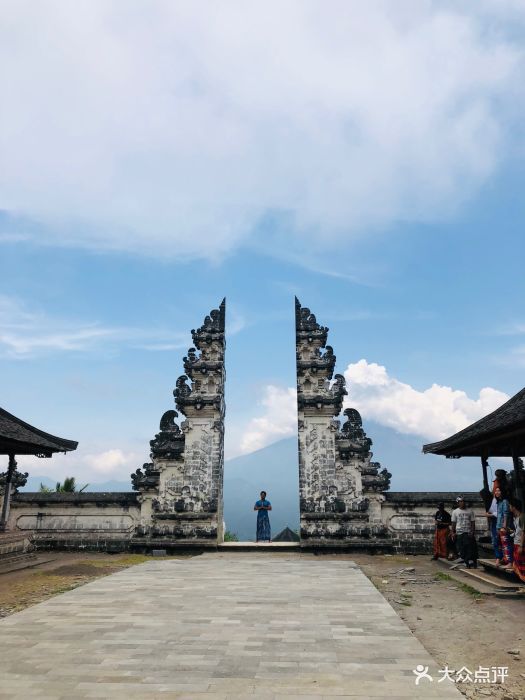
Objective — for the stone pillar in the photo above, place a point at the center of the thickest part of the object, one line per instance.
(340, 488)
(10, 482)
(182, 488)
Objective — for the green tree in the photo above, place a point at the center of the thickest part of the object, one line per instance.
(69, 486)
(45, 489)
(230, 536)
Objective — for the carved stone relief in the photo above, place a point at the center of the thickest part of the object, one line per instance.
(336, 475)
(185, 477)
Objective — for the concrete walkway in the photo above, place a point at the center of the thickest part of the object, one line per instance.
(227, 625)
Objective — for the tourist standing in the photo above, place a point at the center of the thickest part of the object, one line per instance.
(518, 565)
(463, 529)
(263, 521)
(492, 521)
(442, 520)
(501, 481)
(503, 525)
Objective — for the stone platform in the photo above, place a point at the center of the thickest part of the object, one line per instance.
(219, 625)
(259, 547)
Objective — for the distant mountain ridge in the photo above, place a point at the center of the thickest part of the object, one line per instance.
(33, 484)
(275, 469)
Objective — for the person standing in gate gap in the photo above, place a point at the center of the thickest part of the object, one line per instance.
(263, 521)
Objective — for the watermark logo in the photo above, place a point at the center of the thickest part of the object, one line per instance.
(483, 674)
(422, 672)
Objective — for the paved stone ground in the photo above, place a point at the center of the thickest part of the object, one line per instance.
(229, 625)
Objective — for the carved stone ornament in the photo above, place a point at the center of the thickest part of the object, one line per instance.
(18, 480)
(169, 442)
(352, 430)
(145, 479)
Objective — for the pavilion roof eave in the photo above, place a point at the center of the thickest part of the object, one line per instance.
(503, 443)
(15, 447)
(19, 437)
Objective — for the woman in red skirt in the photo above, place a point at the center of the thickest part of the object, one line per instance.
(518, 564)
(442, 519)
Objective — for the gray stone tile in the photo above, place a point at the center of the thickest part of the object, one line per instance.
(213, 627)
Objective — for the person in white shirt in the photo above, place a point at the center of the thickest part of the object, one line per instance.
(463, 529)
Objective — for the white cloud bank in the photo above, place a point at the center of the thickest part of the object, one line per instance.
(171, 128)
(433, 414)
(111, 461)
(278, 421)
(86, 466)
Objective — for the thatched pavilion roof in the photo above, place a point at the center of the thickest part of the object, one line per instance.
(20, 438)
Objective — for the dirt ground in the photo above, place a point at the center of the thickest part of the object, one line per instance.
(458, 626)
(19, 589)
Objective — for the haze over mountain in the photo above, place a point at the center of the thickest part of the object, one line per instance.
(274, 469)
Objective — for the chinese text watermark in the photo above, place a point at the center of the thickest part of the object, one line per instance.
(483, 674)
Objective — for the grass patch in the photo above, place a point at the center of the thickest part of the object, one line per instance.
(471, 591)
(440, 576)
(461, 586)
(120, 560)
(37, 586)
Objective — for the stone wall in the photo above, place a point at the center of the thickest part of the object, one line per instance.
(409, 517)
(95, 521)
(108, 521)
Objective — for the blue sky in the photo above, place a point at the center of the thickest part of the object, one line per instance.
(351, 161)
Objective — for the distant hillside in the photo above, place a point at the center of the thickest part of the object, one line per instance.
(272, 469)
(33, 484)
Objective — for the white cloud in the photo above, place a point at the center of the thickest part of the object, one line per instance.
(171, 128)
(88, 464)
(111, 461)
(434, 413)
(25, 333)
(279, 419)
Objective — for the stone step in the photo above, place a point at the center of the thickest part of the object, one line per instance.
(488, 581)
(259, 547)
(22, 561)
(8, 537)
(14, 543)
(8, 560)
(500, 571)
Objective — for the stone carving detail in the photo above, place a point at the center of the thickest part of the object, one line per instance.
(169, 442)
(353, 429)
(18, 480)
(145, 479)
(187, 460)
(339, 484)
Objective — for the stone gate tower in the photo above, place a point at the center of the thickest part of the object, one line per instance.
(181, 489)
(340, 487)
